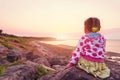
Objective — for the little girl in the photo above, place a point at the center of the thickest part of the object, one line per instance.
(90, 52)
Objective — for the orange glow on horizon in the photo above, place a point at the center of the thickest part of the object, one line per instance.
(61, 37)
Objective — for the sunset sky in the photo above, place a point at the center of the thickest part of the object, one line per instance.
(58, 17)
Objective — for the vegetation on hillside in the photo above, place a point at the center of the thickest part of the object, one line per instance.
(6, 44)
(2, 70)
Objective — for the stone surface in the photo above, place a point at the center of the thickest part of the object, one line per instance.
(24, 71)
(58, 60)
(42, 61)
(30, 56)
(74, 73)
(14, 55)
(3, 51)
(58, 67)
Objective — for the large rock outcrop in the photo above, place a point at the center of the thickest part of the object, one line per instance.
(74, 73)
(24, 71)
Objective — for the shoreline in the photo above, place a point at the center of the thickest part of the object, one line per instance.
(70, 47)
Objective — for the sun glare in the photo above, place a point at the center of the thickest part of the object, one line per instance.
(61, 37)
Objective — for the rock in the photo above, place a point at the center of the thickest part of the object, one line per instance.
(42, 61)
(24, 71)
(35, 58)
(14, 55)
(115, 69)
(70, 74)
(58, 60)
(3, 51)
(75, 73)
(30, 56)
(58, 67)
(4, 62)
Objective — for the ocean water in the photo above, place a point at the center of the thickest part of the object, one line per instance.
(111, 45)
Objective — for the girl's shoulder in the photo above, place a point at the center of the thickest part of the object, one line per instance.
(94, 35)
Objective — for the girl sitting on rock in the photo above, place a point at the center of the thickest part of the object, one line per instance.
(90, 52)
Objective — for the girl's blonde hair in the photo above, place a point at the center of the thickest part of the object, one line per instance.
(90, 23)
